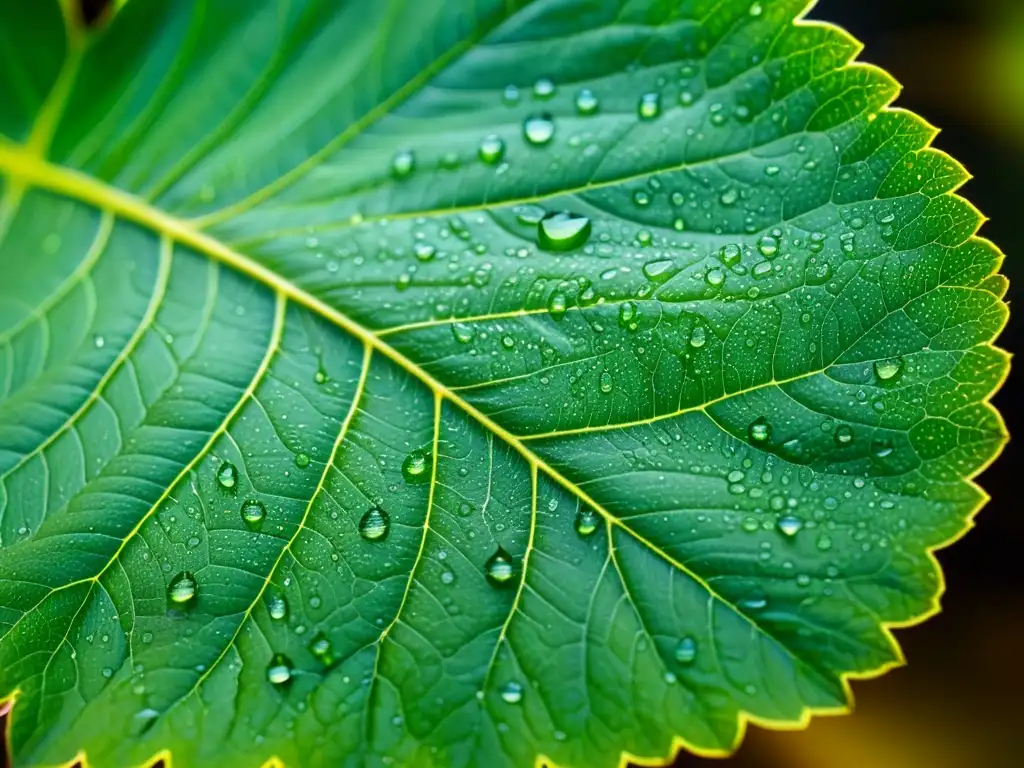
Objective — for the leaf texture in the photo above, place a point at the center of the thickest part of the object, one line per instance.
(465, 382)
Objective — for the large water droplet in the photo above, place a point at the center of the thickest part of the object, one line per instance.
(539, 129)
(586, 522)
(686, 650)
(463, 332)
(586, 102)
(843, 435)
(889, 370)
(511, 692)
(253, 513)
(768, 245)
(279, 671)
(499, 567)
(492, 149)
(658, 270)
(789, 525)
(277, 606)
(649, 106)
(698, 337)
(730, 254)
(558, 304)
(403, 164)
(415, 466)
(759, 430)
(227, 475)
(182, 589)
(563, 231)
(375, 524)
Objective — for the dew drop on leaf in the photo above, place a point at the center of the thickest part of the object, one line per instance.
(649, 106)
(789, 525)
(227, 475)
(182, 589)
(557, 304)
(415, 465)
(544, 88)
(277, 606)
(374, 524)
(686, 650)
(563, 231)
(586, 522)
(539, 129)
(492, 149)
(768, 245)
(888, 370)
(759, 430)
(698, 337)
(279, 671)
(606, 382)
(843, 435)
(253, 513)
(499, 567)
(403, 164)
(301, 460)
(512, 692)
(462, 332)
(586, 102)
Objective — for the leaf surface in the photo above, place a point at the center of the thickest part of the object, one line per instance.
(463, 382)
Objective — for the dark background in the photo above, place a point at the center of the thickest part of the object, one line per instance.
(960, 701)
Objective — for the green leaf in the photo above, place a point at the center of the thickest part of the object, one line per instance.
(469, 382)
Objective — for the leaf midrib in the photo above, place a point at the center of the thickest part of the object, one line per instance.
(25, 166)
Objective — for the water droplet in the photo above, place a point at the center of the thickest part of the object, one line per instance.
(824, 542)
(606, 382)
(511, 692)
(658, 270)
(714, 277)
(698, 337)
(729, 197)
(641, 197)
(756, 9)
(586, 522)
(843, 435)
(789, 525)
(462, 332)
(544, 88)
(686, 650)
(375, 524)
(649, 106)
(253, 513)
(563, 231)
(424, 251)
(279, 671)
(529, 214)
(508, 342)
(730, 254)
(277, 606)
(492, 149)
(227, 475)
(320, 646)
(447, 577)
(628, 315)
(759, 430)
(321, 377)
(888, 370)
(510, 95)
(403, 164)
(557, 304)
(301, 460)
(500, 568)
(98, 341)
(415, 466)
(768, 246)
(539, 129)
(586, 102)
(182, 589)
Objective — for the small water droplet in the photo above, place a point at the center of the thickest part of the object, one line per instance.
(649, 106)
(606, 382)
(586, 102)
(730, 254)
(499, 567)
(374, 524)
(415, 466)
(253, 512)
(539, 129)
(686, 650)
(768, 246)
(586, 522)
(462, 332)
(279, 671)
(888, 370)
(557, 304)
(301, 460)
(492, 149)
(824, 542)
(544, 88)
(320, 646)
(729, 197)
(843, 435)
(227, 475)
(759, 430)
(277, 606)
(98, 341)
(182, 589)
(424, 251)
(511, 692)
(563, 231)
(403, 164)
(714, 277)
(510, 95)
(698, 337)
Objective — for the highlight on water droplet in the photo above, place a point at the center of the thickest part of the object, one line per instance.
(277, 606)
(649, 106)
(253, 511)
(182, 589)
(279, 671)
(563, 231)
(539, 129)
(500, 568)
(415, 466)
(492, 149)
(403, 163)
(227, 475)
(586, 521)
(511, 692)
(586, 102)
(686, 650)
(374, 524)
(759, 430)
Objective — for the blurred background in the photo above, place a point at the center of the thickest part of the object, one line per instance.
(960, 700)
